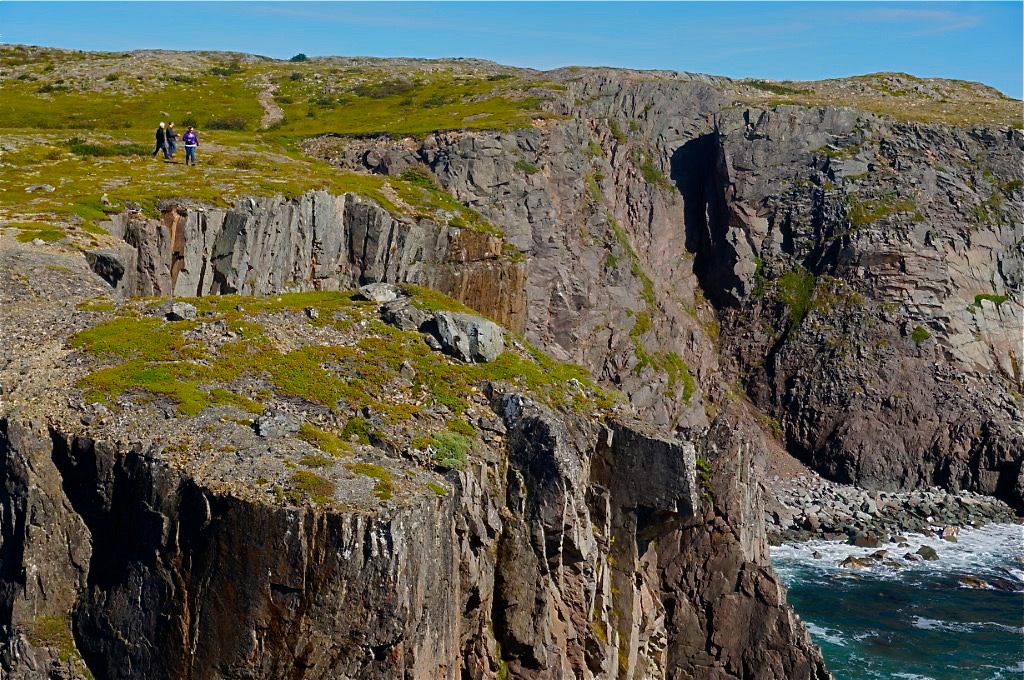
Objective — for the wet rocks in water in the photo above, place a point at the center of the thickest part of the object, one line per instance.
(928, 553)
(810, 506)
(973, 582)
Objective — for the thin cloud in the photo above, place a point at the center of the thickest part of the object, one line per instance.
(921, 21)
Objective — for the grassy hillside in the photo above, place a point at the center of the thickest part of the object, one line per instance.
(83, 124)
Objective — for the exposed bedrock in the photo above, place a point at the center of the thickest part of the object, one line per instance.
(865, 273)
(576, 550)
(316, 242)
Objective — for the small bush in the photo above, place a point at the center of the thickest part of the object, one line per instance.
(994, 299)
(232, 69)
(796, 289)
(111, 77)
(617, 132)
(184, 80)
(299, 57)
(82, 148)
(356, 427)
(434, 102)
(190, 121)
(450, 449)
(526, 166)
(775, 88)
(387, 88)
(462, 427)
(52, 87)
(296, 76)
(920, 334)
(226, 124)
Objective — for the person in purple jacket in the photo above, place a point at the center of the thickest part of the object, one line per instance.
(191, 141)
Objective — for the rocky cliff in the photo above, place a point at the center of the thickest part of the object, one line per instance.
(863, 274)
(544, 537)
(747, 273)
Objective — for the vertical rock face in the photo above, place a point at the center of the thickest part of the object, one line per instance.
(865, 273)
(573, 551)
(317, 242)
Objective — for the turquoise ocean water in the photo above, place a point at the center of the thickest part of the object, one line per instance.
(919, 622)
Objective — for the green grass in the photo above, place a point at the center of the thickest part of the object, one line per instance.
(991, 297)
(55, 632)
(28, 232)
(919, 334)
(143, 355)
(326, 441)
(796, 290)
(450, 450)
(775, 88)
(384, 489)
(864, 212)
(650, 172)
(309, 485)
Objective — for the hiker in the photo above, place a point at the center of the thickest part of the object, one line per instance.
(172, 140)
(191, 141)
(161, 141)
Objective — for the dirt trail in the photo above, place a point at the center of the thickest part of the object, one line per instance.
(272, 113)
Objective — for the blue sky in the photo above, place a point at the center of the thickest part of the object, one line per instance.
(797, 40)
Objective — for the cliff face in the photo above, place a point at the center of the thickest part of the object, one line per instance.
(864, 273)
(574, 551)
(318, 242)
(855, 276)
(141, 540)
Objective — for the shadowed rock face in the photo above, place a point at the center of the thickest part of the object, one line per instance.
(574, 551)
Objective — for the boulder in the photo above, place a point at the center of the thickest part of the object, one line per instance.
(852, 562)
(380, 292)
(928, 553)
(271, 425)
(403, 314)
(973, 582)
(469, 337)
(864, 540)
(181, 311)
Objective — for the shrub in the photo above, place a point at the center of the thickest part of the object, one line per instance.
(450, 449)
(299, 57)
(295, 75)
(232, 69)
(82, 148)
(920, 334)
(387, 88)
(111, 77)
(357, 427)
(190, 121)
(994, 299)
(226, 123)
(796, 289)
(526, 166)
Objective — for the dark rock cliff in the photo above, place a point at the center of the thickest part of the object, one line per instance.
(574, 551)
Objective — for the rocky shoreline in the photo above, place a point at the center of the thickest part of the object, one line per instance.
(810, 507)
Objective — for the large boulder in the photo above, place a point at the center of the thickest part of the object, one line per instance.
(403, 314)
(469, 337)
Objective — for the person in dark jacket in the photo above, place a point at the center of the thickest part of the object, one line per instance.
(161, 142)
(172, 140)
(191, 141)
